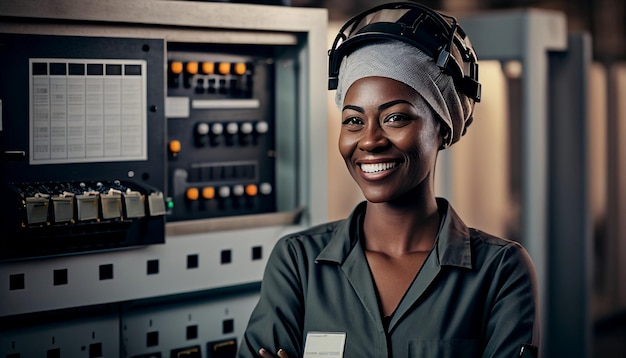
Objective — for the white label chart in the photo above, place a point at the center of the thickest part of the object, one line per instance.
(87, 110)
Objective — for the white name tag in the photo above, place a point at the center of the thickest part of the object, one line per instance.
(324, 344)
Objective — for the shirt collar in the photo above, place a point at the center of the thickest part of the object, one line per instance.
(343, 238)
(453, 240)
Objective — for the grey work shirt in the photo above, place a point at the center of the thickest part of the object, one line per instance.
(475, 296)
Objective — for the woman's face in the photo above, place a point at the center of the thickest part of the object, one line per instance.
(389, 138)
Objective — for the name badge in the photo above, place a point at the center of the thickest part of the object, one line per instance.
(324, 344)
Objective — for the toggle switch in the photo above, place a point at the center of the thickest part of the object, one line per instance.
(224, 191)
(217, 128)
(265, 188)
(174, 147)
(202, 134)
(238, 190)
(246, 128)
(232, 128)
(262, 127)
(156, 204)
(202, 129)
(87, 207)
(175, 69)
(37, 210)
(63, 208)
(134, 202)
(111, 205)
(191, 69)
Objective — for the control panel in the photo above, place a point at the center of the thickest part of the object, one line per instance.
(151, 155)
(82, 160)
(221, 131)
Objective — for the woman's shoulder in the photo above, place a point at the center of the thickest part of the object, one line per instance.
(312, 239)
(497, 250)
(481, 246)
(479, 237)
(319, 231)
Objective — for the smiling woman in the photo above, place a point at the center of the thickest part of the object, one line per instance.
(402, 276)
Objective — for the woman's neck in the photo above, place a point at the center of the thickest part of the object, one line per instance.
(397, 229)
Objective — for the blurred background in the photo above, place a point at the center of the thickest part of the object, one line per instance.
(486, 181)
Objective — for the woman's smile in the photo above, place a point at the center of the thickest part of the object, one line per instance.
(376, 170)
(377, 167)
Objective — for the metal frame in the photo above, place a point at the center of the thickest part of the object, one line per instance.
(304, 32)
(569, 245)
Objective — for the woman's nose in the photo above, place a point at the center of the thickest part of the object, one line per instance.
(374, 139)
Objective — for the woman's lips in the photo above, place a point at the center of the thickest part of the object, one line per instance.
(377, 171)
(377, 167)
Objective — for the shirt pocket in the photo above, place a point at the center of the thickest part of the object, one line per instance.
(455, 348)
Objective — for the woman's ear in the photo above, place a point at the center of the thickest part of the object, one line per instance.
(444, 137)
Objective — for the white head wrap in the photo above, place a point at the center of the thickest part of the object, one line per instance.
(409, 65)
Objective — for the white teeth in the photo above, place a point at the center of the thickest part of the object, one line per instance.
(378, 167)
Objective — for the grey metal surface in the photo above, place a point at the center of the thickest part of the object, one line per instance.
(570, 228)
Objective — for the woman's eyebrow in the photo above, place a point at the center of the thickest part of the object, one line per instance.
(354, 108)
(393, 103)
(380, 108)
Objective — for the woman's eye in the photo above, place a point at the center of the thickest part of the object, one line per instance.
(352, 121)
(395, 118)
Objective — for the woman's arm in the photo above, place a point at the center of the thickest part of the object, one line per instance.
(513, 320)
(277, 320)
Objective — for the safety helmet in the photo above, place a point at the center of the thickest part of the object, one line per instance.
(436, 34)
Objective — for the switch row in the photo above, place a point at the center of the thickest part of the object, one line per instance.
(209, 68)
(212, 77)
(225, 191)
(90, 206)
(210, 132)
(231, 128)
(70, 202)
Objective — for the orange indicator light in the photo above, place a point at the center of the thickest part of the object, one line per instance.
(192, 68)
(208, 192)
(208, 67)
(240, 68)
(192, 194)
(224, 68)
(251, 190)
(176, 67)
(175, 146)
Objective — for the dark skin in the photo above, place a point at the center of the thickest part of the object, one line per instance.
(389, 140)
(386, 124)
